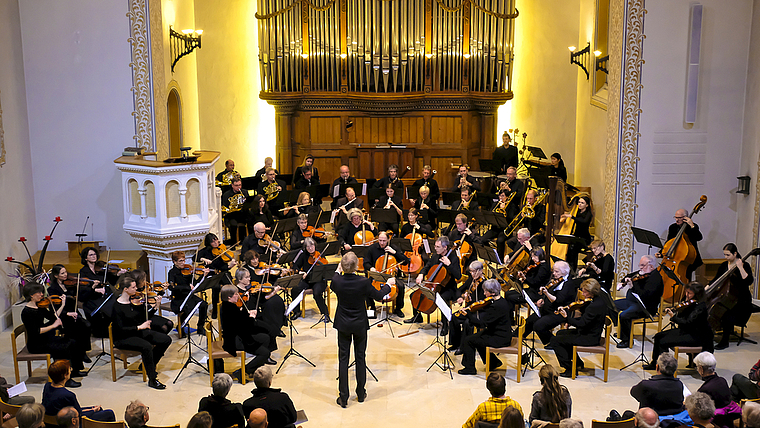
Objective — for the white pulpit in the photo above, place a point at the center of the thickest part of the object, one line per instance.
(170, 206)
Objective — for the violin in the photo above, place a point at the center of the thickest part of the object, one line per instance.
(265, 288)
(576, 305)
(157, 286)
(70, 281)
(114, 268)
(553, 283)
(475, 306)
(268, 243)
(683, 305)
(263, 269)
(188, 269)
(243, 299)
(638, 276)
(523, 274)
(45, 303)
(316, 257)
(473, 287)
(318, 233)
(139, 298)
(222, 252)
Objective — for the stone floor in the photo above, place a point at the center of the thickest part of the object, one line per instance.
(406, 393)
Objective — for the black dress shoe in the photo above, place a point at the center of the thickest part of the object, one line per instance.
(614, 416)
(458, 351)
(721, 346)
(623, 344)
(445, 330)
(280, 334)
(71, 383)
(399, 313)
(495, 364)
(237, 375)
(361, 397)
(155, 384)
(650, 366)
(86, 359)
(78, 373)
(467, 372)
(566, 373)
(342, 403)
(295, 314)
(452, 347)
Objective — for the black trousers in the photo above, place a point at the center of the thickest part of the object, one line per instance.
(543, 326)
(152, 345)
(319, 293)
(61, 348)
(563, 344)
(79, 330)
(501, 239)
(742, 388)
(258, 345)
(459, 329)
(478, 342)
(161, 324)
(344, 352)
(272, 312)
(669, 339)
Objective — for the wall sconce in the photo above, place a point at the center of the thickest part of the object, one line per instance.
(743, 187)
(601, 62)
(183, 44)
(581, 57)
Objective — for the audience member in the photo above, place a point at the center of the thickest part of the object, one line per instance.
(570, 423)
(18, 400)
(224, 412)
(55, 396)
(202, 420)
(714, 386)
(30, 415)
(553, 402)
(662, 392)
(279, 407)
(746, 387)
(493, 408)
(646, 418)
(136, 415)
(258, 419)
(68, 417)
(511, 418)
(701, 409)
(751, 414)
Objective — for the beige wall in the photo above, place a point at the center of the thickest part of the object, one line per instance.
(233, 120)
(16, 192)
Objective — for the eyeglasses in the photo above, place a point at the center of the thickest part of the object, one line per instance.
(678, 217)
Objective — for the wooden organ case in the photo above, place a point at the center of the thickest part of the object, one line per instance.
(369, 83)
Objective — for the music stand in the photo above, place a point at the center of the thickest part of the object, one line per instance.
(489, 165)
(485, 200)
(646, 237)
(286, 225)
(190, 344)
(288, 282)
(444, 361)
(323, 273)
(359, 189)
(374, 194)
(641, 358)
(381, 215)
(449, 198)
(532, 352)
(383, 277)
(676, 281)
(287, 178)
(536, 152)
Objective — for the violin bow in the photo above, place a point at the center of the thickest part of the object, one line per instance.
(316, 259)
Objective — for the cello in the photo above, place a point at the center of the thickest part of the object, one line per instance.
(716, 294)
(677, 254)
(436, 276)
(386, 264)
(415, 260)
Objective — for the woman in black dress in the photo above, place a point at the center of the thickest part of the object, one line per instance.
(74, 324)
(131, 330)
(43, 332)
(92, 270)
(390, 202)
(259, 212)
(737, 305)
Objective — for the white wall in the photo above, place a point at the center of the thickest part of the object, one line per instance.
(16, 192)
(716, 139)
(78, 80)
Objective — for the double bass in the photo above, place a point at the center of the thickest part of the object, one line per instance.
(677, 254)
(436, 276)
(716, 294)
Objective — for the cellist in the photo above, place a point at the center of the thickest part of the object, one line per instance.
(740, 281)
(355, 225)
(374, 253)
(692, 232)
(413, 215)
(447, 289)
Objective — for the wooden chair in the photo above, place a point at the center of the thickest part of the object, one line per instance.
(215, 350)
(24, 354)
(167, 306)
(328, 298)
(628, 423)
(514, 348)
(11, 409)
(50, 420)
(658, 317)
(90, 423)
(685, 350)
(603, 348)
(163, 426)
(123, 355)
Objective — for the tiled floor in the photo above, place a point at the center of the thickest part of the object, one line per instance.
(406, 394)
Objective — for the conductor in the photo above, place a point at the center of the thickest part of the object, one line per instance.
(352, 323)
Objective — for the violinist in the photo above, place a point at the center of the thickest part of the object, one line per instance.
(506, 154)
(345, 204)
(462, 233)
(588, 327)
(257, 241)
(428, 181)
(466, 201)
(268, 162)
(374, 253)
(232, 208)
(181, 285)
(537, 274)
(465, 180)
(355, 225)
(298, 173)
(738, 303)
(220, 264)
(692, 232)
(392, 202)
(271, 305)
(494, 232)
(601, 266)
(427, 207)
(74, 324)
(297, 238)
(303, 262)
(647, 284)
(131, 330)
(43, 333)
(271, 188)
(413, 224)
(239, 332)
(259, 213)
(244, 286)
(158, 323)
(92, 297)
(470, 291)
(692, 329)
(560, 291)
(391, 179)
(583, 219)
(495, 323)
(447, 289)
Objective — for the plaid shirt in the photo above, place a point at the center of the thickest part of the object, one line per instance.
(491, 410)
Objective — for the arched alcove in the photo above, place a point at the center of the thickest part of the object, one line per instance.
(172, 199)
(193, 197)
(174, 116)
(135, 206)
(150, 199)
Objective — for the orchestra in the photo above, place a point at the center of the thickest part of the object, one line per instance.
(488, 297)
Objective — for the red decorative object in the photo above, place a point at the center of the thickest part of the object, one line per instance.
(22, 239)
(9, 259)
(57, 219)
(48, 238)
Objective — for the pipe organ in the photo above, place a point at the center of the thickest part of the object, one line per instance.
(381, 58)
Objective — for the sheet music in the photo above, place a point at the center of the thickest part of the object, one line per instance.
(531, 304)
(445, 309)
(295, 303)
(332, 217)
(364, 189)
(336, 190)
(426, 244)
(17, 390)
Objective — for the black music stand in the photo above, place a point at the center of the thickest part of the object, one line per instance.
(250, 182)
(287, 178)
(358, 189)
(381, 215)
(374, 194)
(641, 358)
(485, 200)
(479, 217)
(449, 198)
(323, 273)
(286, 226)
(444, 361)
(536, 152)
(676, 281)
(190, 345)
(287, 283)
(489, 165)
(532, 352)
(646, 237)
(488, 254)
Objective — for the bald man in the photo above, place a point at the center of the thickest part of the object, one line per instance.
(258, 419)
(251, 242)
(692, 232)
(646, 418)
